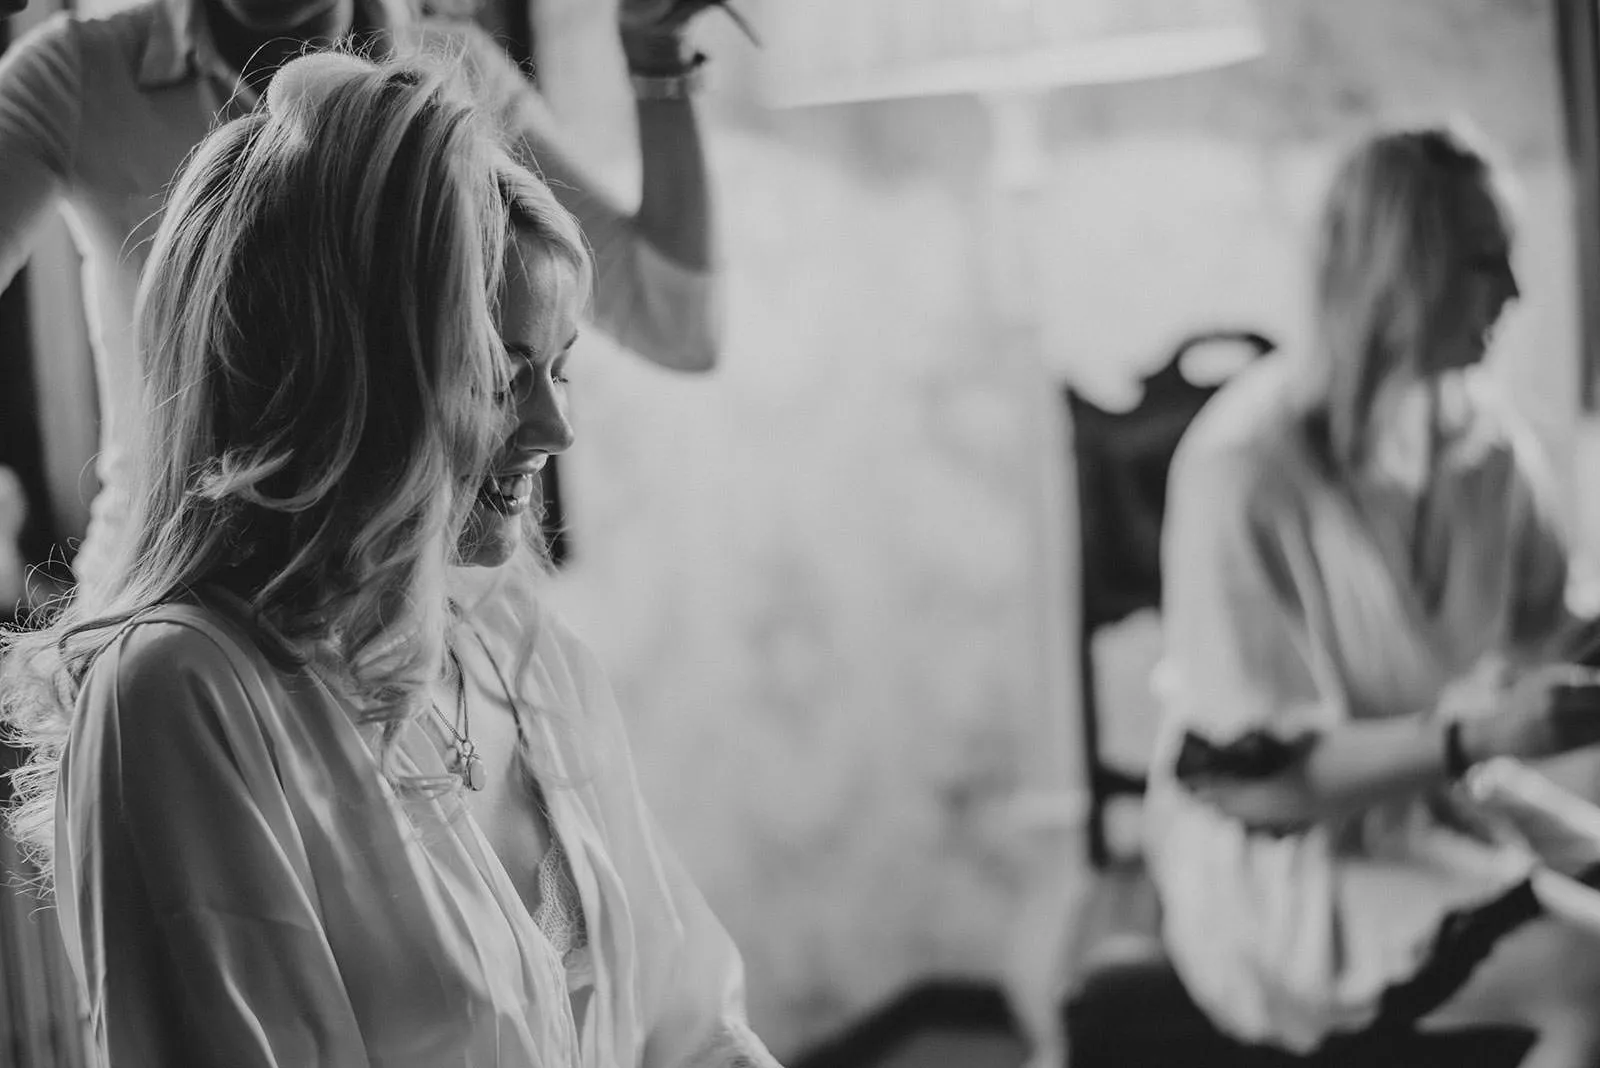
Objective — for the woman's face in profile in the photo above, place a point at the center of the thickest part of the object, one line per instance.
(538, 326)
(1485, 282)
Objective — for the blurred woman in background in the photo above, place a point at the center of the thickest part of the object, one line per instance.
(322, 780)
(1364, 599)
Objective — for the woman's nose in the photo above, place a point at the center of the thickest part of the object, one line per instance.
(542, 423)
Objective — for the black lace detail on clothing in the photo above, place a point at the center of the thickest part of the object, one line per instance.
(1464, 938)
(1256, 754)
(1253, 757)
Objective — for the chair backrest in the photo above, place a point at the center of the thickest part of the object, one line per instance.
(1122, 460)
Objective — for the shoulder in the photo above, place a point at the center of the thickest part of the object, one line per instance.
(172, 640)
(65, 45)
(120, 39)
(1246, 444)
(175, 698)
(1252, 410)
(67, 68)
(57, 35)
(174, 658)
(47, 59)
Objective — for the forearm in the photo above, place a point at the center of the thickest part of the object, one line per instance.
(656, 293)
(674, 202)
(1363, 763)
(646, 297)
(1343, 769)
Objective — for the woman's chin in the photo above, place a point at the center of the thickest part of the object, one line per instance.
(491, 537)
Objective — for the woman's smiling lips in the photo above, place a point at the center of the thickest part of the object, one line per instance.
(509, 489)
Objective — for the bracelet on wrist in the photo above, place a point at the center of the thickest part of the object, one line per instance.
(1457, 762)
(680, 84)
(657, 53)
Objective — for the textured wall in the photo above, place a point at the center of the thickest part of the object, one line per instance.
(810, 573)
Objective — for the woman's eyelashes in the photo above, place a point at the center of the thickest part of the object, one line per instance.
(527, 365)
(558, 366)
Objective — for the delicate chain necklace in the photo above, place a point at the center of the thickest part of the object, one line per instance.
(505, 684)
(465, 763)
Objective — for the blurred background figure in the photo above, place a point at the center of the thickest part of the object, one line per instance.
(838, 582)
(1355, 531)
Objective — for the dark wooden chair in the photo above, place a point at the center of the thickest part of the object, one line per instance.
(1122, 460)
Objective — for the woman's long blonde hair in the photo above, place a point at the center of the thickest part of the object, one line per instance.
(1391, 251)
(324, 378)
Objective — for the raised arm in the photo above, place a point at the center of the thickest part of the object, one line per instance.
(181, 884)
(657, 291)
(675, 201)
(40, 105)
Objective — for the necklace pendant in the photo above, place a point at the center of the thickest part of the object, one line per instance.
(473, 773)
(467, 765)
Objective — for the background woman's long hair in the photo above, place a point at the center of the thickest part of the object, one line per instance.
(323, 367)
(1390, 255)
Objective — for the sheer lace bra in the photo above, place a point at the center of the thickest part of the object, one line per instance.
(559, 913)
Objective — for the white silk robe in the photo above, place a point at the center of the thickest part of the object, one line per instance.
(239, 886)
(1290, 607)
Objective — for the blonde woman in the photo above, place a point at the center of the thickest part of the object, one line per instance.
(98, 114)
(321, 780)
(1364, 597)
